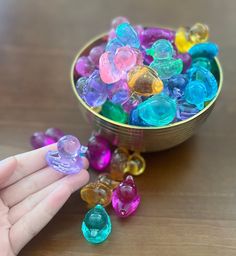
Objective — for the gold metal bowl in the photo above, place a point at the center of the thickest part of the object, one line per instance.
(143, 139)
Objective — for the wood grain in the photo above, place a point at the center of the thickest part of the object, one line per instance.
(188, 193)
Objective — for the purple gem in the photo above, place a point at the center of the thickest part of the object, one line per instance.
(131, 103)
(99, 153)
(92, 89)
(67, 158)
(118, 92)
(40, 139)
(95, 54)
(186, 58)
(55, 133)
(185, 110)
(125, 199)
(84, 67)
(176, 85)
(151, 35)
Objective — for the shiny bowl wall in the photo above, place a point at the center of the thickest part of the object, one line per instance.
(144, 139)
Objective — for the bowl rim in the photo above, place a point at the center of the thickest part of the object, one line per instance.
(93, 111)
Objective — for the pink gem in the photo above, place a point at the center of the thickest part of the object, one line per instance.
(125, 58)
(118, 20)
(125, 198)
(108, 72)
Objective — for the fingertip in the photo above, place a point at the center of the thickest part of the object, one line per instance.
(85, 163)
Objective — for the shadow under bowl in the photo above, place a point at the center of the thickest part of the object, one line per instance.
(143, 139)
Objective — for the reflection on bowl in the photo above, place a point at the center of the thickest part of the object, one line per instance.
(144, 139)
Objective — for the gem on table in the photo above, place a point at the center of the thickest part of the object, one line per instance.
(176, 85)
(125, 198)
(119, 92)
(96, 226)
(67, 158)
(195, 93)
(50, 136)
(92, 89)
(144, 81)
(99, 153)
(204, 75)
(136, 164)
(84, 67)
(40, 139)
(159, 110)
(96, 193)
(106, 179)
(206, 50)
(118, 163)
(55, 133)
(151, 35)
(114, 112)
(186, 38)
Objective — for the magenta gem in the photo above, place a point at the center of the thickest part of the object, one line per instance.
(55, 133)
(84, 67)
(186, 58)
(125, 199)
(151, 35)
(40, 139)
(98, 153)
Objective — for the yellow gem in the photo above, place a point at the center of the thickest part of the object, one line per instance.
(96, 193)
(136, 164)
(144, 81)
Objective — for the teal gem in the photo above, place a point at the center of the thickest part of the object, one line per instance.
(114, 112)
(207, 50)
(202, 62)
(195, 93)
(167, 68)
(159, 110)
(96, 225)
(161, 49)
(127, 35)
(205, 76)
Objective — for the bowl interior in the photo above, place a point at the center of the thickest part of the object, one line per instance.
(216, 70)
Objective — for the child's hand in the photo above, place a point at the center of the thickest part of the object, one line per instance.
(31, 193)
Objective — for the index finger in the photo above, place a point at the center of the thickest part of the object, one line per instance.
(28, 163)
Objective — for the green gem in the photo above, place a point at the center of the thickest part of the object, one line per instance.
(114, 112)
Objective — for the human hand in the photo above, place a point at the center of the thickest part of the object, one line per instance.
(31, 193)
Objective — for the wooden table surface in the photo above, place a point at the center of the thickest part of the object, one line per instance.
(188, 193)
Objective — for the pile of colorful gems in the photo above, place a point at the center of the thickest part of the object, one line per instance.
(50, 136)
(149, 76)
(111, 187)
